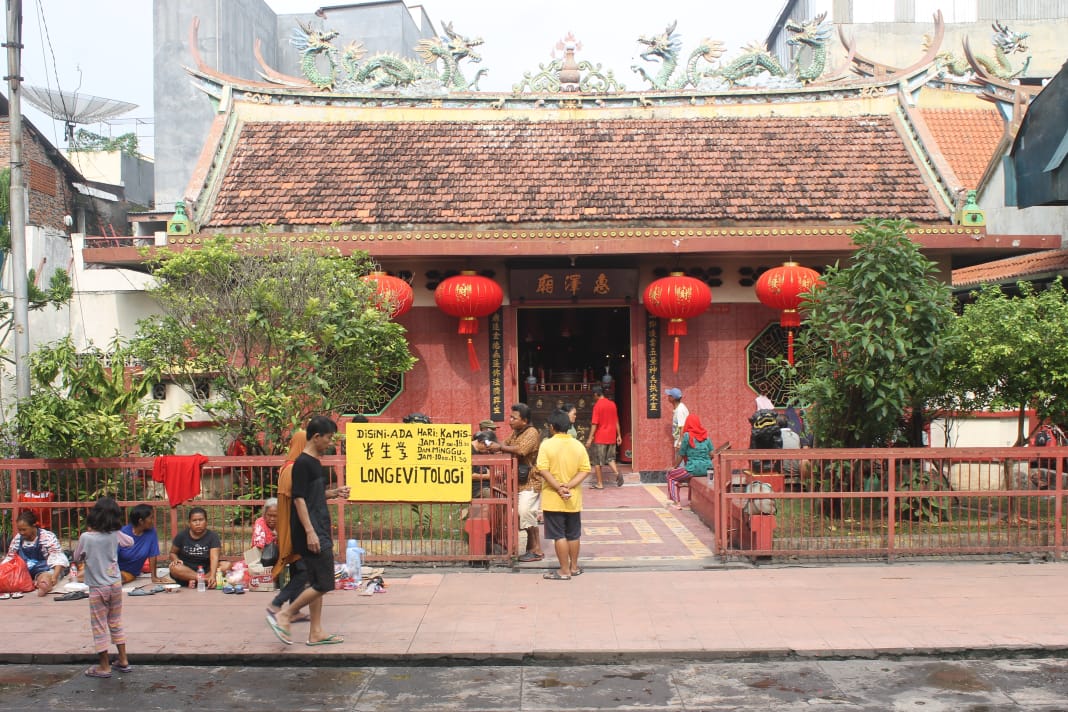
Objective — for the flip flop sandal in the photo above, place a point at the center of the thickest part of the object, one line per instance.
(328, 640)
(94, 671)
(279, 632)
(531, 556)
(4, 596)
(17, 594)
(121, 668)
(135, 592)
(79, 595)
(597, 487)
(577, 573)
(555, 576)
(619, 480)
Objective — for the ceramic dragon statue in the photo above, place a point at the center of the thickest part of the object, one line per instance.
(1006, 43)
(808, 40)
(666, 47)
(333, 69)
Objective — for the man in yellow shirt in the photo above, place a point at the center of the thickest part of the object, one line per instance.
(563, 464)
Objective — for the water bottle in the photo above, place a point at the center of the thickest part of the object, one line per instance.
(354, 559)
(202, 585)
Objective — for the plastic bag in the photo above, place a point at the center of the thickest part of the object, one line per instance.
(14, 576)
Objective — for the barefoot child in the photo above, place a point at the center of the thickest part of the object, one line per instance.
(99, 549)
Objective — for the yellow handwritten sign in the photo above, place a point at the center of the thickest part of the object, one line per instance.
(408, 462)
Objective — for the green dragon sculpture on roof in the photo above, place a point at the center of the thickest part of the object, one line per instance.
(341, 70)
(756, 66)
(1006, 44)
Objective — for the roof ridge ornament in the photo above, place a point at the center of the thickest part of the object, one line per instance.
(566, 74)
(332, 69)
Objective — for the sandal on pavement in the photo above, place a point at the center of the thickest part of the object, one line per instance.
(281, 633)
(4, 596)
(94, 671)
(121, 668)
(328, 640)
(79, 595)
(531, 556)
(577, 572)
(619, 480)
(141, 592)
(597, 487)
(18, 594)
(555, 576)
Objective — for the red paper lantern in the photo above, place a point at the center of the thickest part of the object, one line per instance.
(469, 297)
(391, 292)
(677, 298)
(781, 288)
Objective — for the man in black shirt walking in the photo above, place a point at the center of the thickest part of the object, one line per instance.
(311, 533)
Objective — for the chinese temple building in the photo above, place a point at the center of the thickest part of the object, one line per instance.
(574, 194)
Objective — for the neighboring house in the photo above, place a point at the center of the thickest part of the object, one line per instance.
(232, 35)
(575, 196)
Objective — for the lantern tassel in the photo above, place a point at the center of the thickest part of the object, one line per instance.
(790, 346)
(675, 361)
(472, 357)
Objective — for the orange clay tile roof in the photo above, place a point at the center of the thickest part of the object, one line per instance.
(967, 138)
(1011, 268)
(511, 171)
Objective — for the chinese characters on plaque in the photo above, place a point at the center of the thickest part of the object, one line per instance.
(562, 284)
(496, 368)
(652, 367)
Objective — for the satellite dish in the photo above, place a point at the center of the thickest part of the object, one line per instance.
(73, 108)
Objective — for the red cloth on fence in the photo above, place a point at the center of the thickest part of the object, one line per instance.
(180, 475)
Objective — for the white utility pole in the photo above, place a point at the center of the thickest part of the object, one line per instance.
(20, 307)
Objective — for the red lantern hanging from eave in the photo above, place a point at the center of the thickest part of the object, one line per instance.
(677, 298)
(392, 292)
(469, 297)
(781, 288)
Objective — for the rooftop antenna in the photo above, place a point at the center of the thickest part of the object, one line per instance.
(73, 108)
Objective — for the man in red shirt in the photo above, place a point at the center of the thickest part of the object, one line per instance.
(604, 436)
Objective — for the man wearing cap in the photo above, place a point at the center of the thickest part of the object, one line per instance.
(678, 420)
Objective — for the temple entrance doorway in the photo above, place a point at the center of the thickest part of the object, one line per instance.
(565, 351)
(563, 354)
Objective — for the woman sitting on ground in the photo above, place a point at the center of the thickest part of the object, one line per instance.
(141, 527)
(197, 546)
(41, 551)
(695, 449)
(264, 528)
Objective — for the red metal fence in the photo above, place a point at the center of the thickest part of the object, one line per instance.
(889, 503)
(233, 490)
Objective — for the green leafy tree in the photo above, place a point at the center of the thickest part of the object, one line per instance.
(280, 332)
(91, 404)
(873, 349)
(89, 141)
(1010, 353)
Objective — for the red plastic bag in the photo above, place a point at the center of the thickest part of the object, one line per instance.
(15, 577)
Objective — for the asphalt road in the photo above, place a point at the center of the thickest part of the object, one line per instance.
(923, 684)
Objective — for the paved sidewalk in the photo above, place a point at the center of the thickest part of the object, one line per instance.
(842, 610)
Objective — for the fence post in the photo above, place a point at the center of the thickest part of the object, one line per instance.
(891, 508)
